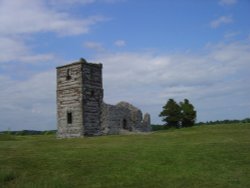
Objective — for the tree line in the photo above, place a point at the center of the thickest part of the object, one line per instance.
(29, 132)
(226, 121)
(178, 115)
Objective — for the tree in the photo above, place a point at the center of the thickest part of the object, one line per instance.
(188, 114)
(171, 114)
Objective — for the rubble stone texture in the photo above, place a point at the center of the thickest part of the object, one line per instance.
(80, 107)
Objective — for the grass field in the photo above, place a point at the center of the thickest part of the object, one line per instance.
(205, 156)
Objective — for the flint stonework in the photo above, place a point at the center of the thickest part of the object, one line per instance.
(80, 107)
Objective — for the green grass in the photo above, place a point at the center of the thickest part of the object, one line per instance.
(206, 156)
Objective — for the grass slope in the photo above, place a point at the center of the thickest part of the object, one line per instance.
(207, 156)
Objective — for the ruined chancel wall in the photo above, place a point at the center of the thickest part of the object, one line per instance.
(80, 107)
(123, 117)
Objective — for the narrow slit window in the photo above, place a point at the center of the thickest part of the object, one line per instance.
(92, 93)
(69, 117)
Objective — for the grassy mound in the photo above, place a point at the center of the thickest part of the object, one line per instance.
(217, 156)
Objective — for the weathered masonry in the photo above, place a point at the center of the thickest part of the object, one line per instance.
(80, 107)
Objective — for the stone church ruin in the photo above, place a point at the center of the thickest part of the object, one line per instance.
(80, 107)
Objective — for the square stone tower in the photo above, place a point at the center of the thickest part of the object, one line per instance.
(79, 99)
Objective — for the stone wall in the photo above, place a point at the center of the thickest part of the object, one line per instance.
(123, 116)
(92, 98)
(69, 100)
(80, 107)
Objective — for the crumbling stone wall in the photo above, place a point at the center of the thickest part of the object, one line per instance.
(123, 116)
(80, 107)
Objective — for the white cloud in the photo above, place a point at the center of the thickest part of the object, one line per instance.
(217, 78)
(233, 55)
(120, 43)
(216, 81)
(84, 2)
(94, 46)
(221, 21)
(11, 49)
(229, 35)
(14, 49)
(20, 19)
(227, 2)
(54, 2)
(23, 17)
(28, 104)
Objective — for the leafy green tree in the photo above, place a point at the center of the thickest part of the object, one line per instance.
(188, 114)
(171, 114)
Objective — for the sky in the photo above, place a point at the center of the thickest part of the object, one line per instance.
(151, 51)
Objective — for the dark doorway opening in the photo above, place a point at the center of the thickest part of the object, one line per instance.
(124, 124)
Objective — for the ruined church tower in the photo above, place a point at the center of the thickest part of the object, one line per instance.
(79, 99)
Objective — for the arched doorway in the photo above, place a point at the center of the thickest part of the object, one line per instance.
(124, 124)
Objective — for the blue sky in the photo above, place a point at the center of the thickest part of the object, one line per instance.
(151, 51)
